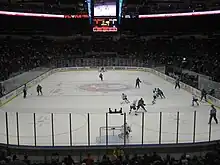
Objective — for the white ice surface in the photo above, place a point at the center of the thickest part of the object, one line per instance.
(63, 95)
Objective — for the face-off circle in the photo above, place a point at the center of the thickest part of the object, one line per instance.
(105, 87)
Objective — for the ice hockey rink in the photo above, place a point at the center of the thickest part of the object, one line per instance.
(81, 92)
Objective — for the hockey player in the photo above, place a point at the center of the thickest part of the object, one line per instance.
(125, 131)
(39, 90)
(160, 93)
(124, 98)
(25, 91)
(213, 114)
(101, 76)
(155, 91)
(141, 104)
(203, 95)
(133, 106)
(177, 83)
(195, 100)
(102, 69)
(2, 89)
(154, 97)
(138, 81)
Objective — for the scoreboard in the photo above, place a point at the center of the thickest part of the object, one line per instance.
(105, 15)
(105, 24)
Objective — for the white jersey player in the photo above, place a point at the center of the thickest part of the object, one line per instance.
(125, 131)
(154, 97)
(133, 106)
(124, 99)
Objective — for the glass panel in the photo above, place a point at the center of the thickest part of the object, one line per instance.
(169, 120)
(80, 128)
(151, 128)
(135, 122)
(202, 126)
(12, 128)
(186, 127)
(61, 129)
(3, 138)
(115, 131)
(43, 127)
(26, 128)
(98, 129)
(215, 132)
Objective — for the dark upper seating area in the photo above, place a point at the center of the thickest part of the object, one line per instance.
(196, 53)
(156, 7)
(45, 6)
(130, 7)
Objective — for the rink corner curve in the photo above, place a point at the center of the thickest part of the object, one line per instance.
(13, 94)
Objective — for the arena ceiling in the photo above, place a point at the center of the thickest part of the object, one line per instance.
(44, 1)
(131, 6)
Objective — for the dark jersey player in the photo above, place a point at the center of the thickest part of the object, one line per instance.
(203, 95)
(141, 104)
(195, 100)
(2, 89)
(39, 90)
(137, 84)
(25, 91)
(213, 112)
(177, 83)
(160, 93)
(101, 76)
(102, 69)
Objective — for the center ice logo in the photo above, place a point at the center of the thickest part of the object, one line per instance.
(107, 87)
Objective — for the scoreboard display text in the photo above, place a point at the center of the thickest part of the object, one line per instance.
(105, 25)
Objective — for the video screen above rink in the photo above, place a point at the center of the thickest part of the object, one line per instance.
(105, 24)
(105, 8)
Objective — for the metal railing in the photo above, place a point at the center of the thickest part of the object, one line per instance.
(71, 129)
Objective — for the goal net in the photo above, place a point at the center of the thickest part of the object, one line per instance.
(112, 133)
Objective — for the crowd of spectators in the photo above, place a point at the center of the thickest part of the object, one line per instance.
(199, 54)
(47, 7)
(130, 7)
(117, 157)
